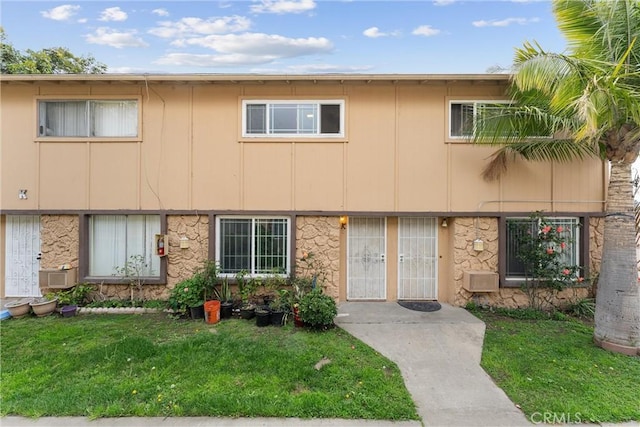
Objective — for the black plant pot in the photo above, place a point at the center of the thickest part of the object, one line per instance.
(247, 313)
(277, 318)
(226, 310)
(263, 317)
(197, 312)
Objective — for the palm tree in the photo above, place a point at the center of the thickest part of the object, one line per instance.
(589, 100)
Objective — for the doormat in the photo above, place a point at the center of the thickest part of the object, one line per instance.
(421, 305)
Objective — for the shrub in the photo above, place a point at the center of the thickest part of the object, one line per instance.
(317, 309)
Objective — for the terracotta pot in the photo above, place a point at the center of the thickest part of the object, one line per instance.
(43, 307)
(19, 308)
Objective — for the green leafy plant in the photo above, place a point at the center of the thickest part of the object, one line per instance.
(540, 249)
(77, 295)
(208, 274)
(318, 309)
(225, 291)
(187, 293)
(133, 272)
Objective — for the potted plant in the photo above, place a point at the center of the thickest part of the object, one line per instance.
(263, 315)
(44, 306)
(188, 296)
(19, 308)
(246, 288)
(226, 300)
(280, 307)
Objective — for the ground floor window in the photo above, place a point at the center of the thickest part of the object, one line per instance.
(115, 240)
(258, 245)
(517, 228)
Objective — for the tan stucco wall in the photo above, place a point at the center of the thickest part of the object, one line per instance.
(395, 143)
(320, 236)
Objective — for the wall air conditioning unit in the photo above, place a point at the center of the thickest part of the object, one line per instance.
(480, 281)
(58, 279)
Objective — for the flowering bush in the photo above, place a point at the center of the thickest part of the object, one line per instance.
(541, 250)
(188, 293)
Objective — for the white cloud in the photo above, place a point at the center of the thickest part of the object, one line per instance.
(425, 30)
(245, 49)
(261, 44)
(504, 22)
(61, 13)
(443, 2)
(374, 32)
(113, 14)
(283, 6)
(189, 26)
(160, 12)
(117, 39)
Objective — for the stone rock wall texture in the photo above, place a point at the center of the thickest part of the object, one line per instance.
(320, 236)
(59, 240)
(465, 258)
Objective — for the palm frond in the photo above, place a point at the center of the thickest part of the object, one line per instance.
(538, 150)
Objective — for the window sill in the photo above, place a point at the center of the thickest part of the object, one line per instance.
(84, 139)
(289, 140)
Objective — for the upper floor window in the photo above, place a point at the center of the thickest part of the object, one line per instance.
(312, 118)
(94, 118)
(463, 115)
(517, 228)
(259, 245)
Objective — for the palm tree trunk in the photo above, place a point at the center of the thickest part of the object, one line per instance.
(617, 317)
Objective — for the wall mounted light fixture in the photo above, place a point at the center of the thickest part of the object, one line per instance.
(343, 221)
(444, 223)
(184, 242)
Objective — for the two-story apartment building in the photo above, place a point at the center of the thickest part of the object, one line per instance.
(372, 174)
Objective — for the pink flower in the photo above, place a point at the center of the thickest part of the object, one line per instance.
(546, 229)
(563, 245)
(566, 272)
(559, 229)
(550, 251)
(580, 279)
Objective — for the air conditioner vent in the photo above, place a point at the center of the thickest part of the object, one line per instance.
(57, 279)
(480, 281)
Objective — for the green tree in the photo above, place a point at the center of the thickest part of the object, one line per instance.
(55, 60)
(589, 100)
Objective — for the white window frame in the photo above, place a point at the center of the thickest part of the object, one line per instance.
(252, 269)
(297, 135)
(475, 103)
(575, 237)
(41, 128)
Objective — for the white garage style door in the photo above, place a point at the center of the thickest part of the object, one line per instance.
(366, 267)
(417, 259)
(22, 254)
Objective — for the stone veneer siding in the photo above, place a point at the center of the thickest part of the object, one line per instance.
(59, 240)
(320, 236)
(182, 263)
(465, 258)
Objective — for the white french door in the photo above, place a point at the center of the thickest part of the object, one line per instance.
(417, 259)
(22, 256)
(366, 264)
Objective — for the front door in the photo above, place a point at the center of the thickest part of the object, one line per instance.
(22, 254)
(417, 259)
(366, 267)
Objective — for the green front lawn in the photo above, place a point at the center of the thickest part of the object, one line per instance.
(552, 369)
(151, 365)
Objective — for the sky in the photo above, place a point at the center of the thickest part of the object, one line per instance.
(286, 36)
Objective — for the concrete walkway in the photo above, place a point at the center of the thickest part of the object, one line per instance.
(439, 356)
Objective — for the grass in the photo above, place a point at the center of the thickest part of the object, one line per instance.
(552, 368)
(151, 365)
